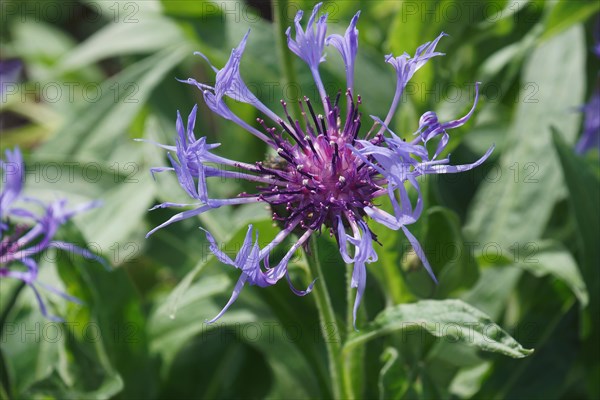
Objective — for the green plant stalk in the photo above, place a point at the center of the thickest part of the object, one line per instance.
(352, 360)
(329, 325)
(285, 55)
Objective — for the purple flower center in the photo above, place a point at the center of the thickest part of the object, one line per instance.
(9, 244)
(323, 177)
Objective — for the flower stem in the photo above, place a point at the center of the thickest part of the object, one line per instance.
(352, 360)
(280, 8)
(329, 325)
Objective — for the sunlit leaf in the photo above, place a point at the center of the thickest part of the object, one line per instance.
(453, 320)
(528, 171)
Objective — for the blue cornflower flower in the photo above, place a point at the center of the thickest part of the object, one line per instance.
(327, 175)
(21, 243)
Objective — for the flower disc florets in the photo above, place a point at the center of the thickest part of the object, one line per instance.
(323, 177)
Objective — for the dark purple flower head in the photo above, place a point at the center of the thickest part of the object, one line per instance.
(327, 174)
(22, 242)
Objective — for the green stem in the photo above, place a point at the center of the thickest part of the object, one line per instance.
(353, 360)
(349, 301)
(349, 327)
(280, 8)
(329, 325)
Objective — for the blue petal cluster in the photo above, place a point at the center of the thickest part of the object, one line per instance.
(23, 242)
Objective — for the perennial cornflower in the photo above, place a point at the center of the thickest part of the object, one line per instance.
(327, 173)
(22, 242)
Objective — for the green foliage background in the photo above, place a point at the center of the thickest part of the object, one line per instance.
(514, 242)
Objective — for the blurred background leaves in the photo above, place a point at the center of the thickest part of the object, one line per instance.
(514, 242)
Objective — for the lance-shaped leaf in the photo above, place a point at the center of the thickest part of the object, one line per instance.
(452, 320)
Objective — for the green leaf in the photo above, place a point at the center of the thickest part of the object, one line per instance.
(527, 171)
(567, 13)
(294, 375)
(584, 196)
(127, 203)
(78, 180)
(546, 319)
(249, 321)
(194, 9)
(468, 380)
(112, 304)
(169, 332)
(509, 59)
(447, 252)
(149, 34)
(40, 45)
(495, 285)
(519, 379)
(551, 258)
(27, 357)
(452, 320)
(94, 130)
(511, 8)
(61, 360)
(123, 10)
